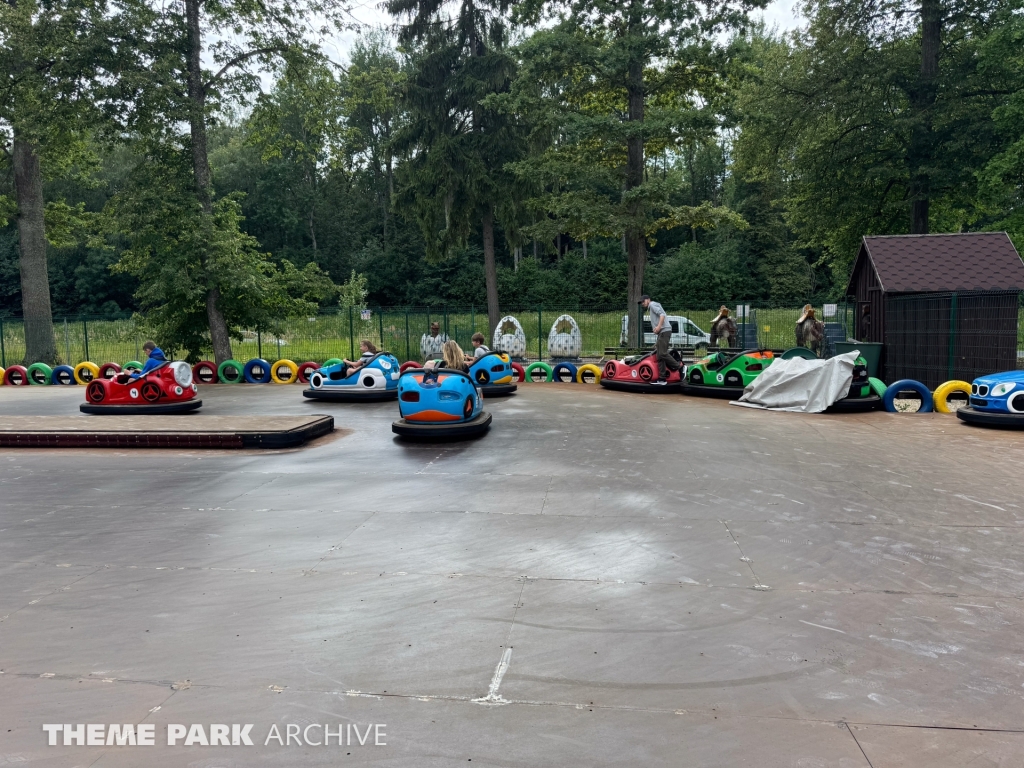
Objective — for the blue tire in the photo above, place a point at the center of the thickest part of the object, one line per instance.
(888, 399)
(63, 374)
(249, 372)
(563, 369)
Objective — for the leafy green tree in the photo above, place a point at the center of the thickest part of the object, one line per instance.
(176, 250)
(178, 89)
(611, 86)
(56, 62)
(880, 114)
(455, 145)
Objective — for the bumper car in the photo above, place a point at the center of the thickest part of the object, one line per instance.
(861, 396)
(493, 374)
(442, 403)
(997, 400)
(724, 375)
(639, 374)
(374, 382)
(168, 388)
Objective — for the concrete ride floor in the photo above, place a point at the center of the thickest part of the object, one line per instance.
(605, 579)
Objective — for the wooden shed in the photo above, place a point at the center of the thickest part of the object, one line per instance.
(945, 306)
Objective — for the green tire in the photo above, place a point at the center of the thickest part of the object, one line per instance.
(332, 361)
(235, 366)
(877, 386)
(39, 368)
(132, 364)
(542, 366)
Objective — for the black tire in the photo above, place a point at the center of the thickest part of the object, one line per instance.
(156, 409)
(722, 393)
(733, 379)
(348, 396)
(696, 378)
(434, 431)
(988, 419)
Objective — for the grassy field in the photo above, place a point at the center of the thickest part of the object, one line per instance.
(397, 331)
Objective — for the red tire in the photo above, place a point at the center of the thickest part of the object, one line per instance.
(16, 376)
(306, 370)
(205, 372)
(109, 370)
(519, 371)
(409, 364)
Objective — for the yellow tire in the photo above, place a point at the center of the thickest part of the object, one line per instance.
(2, 372)
(588, 368)
(945, 390)
(292, 368)
(86, 372)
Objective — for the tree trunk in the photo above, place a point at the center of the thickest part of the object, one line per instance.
(490, 272)
(40, 346)
(922, 101)
(220, 337)
(636, 245)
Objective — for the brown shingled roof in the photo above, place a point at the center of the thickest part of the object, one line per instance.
(981, 261)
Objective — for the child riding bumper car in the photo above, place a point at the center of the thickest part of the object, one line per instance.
(374, 381)
(997, 400)
(640, 374)
(724, 375)
(493, 374)
(167, 388)
(439, 403)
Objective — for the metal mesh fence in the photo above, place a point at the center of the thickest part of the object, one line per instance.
(602, 330)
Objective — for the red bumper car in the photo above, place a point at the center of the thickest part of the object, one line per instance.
(168, 388)
(640, 374)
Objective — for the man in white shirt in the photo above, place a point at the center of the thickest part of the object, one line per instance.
(431, 345)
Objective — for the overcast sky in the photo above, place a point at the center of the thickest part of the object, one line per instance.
(782, 13)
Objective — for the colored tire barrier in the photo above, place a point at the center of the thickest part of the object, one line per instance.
(205, 372)
(877, 386)
(888, 399)
(132, 366)
(306, 370)
(86, 372)
(520, 373)
(109, 370)
(2, 372)
(16, 376)
(588, 374)
(63, 375)
(407, 365)
(256, 371)
(39, 374)
(563, 369)
(332, 361)
(942, 393)
(230, 372)
(287, 365)
(538, 366)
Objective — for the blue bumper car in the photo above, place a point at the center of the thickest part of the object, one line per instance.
(493, 374)
(373, 382)
(439, 404)
(997, 400)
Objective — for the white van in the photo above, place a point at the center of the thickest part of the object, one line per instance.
(684, 332)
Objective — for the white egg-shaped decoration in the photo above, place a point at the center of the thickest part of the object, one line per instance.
(509, 337)
(565, 339)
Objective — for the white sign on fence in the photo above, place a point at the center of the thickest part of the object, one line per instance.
(364, 314)
(829, 310)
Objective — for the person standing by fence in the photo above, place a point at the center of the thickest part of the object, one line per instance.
(432, 344)
(663, 333)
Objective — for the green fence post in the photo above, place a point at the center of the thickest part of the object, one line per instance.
(278, 346)
(952, 336)
(380, 316)
(259, 343)
(3, 352)
(407, 357)
(351, 337)
(446, 320)
(472, 319)
(85, 331)
(539, 327)
(67, 344)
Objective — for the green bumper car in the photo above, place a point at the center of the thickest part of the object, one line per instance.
(725, 375)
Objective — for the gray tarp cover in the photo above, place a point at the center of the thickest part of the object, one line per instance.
(809, 386)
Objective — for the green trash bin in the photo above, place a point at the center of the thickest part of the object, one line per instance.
(871, 351)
